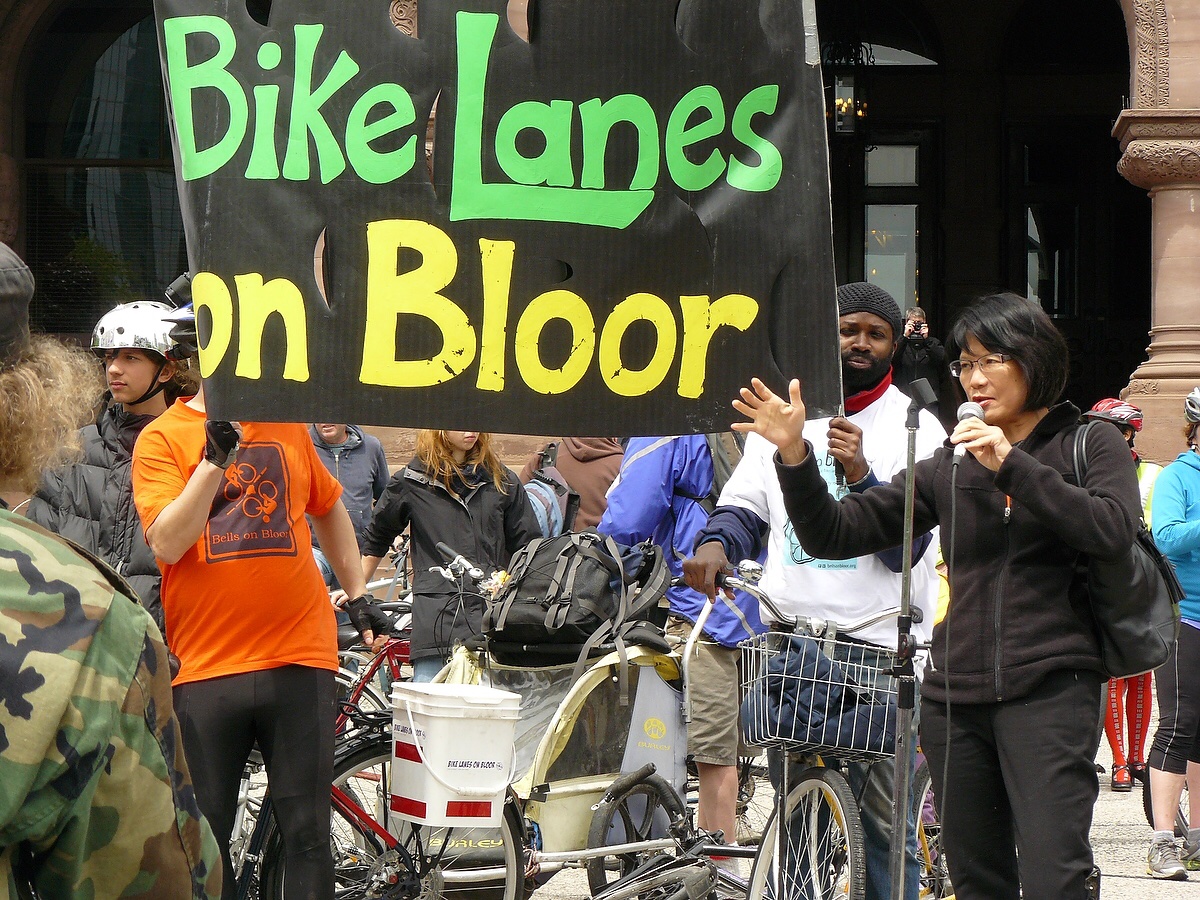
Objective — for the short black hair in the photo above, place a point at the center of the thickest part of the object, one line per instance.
(1010, 324)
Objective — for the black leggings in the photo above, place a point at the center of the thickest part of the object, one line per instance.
(1177, 740)
(289, 712)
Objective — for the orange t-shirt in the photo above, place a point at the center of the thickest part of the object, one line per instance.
(248, 596)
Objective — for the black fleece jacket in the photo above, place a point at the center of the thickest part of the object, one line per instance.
(1018, 607)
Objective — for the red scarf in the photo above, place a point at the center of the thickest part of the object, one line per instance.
(860, 401)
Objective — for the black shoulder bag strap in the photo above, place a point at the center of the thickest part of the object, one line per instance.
(1079, 456)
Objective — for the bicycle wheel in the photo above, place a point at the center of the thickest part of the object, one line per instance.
(457, 863)
(824, 855)
(755, 799)
(369, 697)
(935, 877)
(643, 812)
(664, 878)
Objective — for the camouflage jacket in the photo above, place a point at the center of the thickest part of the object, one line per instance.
(95, 796)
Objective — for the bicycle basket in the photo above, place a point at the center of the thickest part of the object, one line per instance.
(833, 697)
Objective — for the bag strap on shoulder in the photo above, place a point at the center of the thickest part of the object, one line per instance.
(1079, 454)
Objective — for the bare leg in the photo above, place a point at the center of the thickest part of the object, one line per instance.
(718, 799)
(1165, 791)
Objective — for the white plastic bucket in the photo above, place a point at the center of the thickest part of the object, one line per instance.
(452, 752)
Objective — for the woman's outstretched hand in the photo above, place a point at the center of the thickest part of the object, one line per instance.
(779, 420)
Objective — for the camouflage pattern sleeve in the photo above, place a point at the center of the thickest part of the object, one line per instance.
(95, 795)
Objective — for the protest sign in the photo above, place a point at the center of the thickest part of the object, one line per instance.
(623, 219)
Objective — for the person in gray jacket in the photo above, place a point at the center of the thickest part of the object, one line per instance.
(356, 459)
(91, 502)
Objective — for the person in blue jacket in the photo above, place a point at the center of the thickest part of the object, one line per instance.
(356, 459)
(660, 494)
(1175, 752)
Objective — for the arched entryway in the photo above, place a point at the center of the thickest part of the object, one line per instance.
(984, 161)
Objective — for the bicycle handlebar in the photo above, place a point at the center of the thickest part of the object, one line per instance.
(457, 565)
(746, 577)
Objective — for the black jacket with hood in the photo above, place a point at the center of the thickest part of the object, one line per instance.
(1019, 608)
(483, 524)
(91, 503)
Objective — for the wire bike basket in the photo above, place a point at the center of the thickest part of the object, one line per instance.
(810, 694)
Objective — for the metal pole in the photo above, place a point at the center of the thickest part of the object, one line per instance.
(906, 683)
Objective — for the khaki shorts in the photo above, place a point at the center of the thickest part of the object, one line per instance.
(713, 734)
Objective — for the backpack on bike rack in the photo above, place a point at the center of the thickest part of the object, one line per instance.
(575, 595)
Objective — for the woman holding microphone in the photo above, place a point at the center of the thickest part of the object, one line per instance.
(1010, 708)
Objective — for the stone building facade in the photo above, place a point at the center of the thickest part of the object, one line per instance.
(1051, 149)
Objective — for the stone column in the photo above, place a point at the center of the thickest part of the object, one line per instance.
(1161, 153)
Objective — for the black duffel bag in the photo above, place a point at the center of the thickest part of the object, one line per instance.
(577, 590)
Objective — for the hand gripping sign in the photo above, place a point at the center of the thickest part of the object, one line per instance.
(619, 222)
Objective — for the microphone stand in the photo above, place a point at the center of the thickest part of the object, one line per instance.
(906, 682)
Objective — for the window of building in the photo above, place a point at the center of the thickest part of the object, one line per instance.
(103, 224)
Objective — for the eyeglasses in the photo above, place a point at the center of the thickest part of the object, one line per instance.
(986, 364)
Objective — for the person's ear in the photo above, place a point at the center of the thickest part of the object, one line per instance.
(168, 372)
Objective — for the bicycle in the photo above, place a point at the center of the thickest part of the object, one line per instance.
(377, 854)
(820, 852)
(355, 691)
(935, 876)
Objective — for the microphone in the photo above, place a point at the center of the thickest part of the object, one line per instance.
(966, 411)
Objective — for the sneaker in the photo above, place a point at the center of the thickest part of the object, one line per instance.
(1163, 861)
(1191, 856)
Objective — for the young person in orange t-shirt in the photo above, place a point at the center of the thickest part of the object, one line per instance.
(249, 616)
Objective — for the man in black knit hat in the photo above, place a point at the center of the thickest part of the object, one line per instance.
(855, 451)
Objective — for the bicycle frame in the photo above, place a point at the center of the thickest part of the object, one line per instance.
(394, 654)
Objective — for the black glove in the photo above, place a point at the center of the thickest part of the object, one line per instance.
(366, 616)
(220, 443)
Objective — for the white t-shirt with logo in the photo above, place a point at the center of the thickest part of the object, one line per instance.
(844, 590)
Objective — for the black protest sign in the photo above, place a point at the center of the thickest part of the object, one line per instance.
(623, 220)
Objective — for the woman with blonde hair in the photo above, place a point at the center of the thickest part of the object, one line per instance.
(455, 491)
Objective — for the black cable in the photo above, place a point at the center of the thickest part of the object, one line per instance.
(950, 561)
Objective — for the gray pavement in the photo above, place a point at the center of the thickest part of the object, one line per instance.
(1120, 837)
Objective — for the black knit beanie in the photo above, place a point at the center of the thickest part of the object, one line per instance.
(862, 296)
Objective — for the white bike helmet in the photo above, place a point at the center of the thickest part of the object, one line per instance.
(138, 325)
(1191, 405)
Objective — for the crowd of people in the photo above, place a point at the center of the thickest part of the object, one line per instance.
(222, 541)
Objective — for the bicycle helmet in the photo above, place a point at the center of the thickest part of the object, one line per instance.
(1191, 405)
(1120, 413)
(139, 325)
(183, 332)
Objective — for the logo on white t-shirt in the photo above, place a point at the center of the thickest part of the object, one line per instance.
(795, 553)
